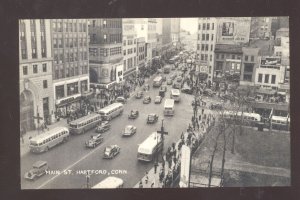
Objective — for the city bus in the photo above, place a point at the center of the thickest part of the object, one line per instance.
(43, 142)
(85, 123)
(167, 69)
(169, 107)
(248, 119)
(111, 111)
(150, 147)
(157, 81)
(109, 182)
(280, 123)
(175, 94)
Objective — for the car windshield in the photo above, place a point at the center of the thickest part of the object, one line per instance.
(108, 149)
(95, 137)
(151, 117)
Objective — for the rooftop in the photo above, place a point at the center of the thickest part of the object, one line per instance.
(228, 48)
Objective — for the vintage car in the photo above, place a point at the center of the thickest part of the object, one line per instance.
(147, 99)
(186, 89)
(39, 169)
(129, 130)
(120, 100)
(104, 126)
(157, 99)
(111, 151)
(164, 88)
(133, 114)
(146, 87)
(169, 81)
(139, 94)
(176, 85)
(94, 141)
(152, 118)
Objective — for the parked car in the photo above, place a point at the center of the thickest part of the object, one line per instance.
(139, 94)
(147, 99)
(129, 130)
(133, 114)
(169, 81)
(104, 126)
(186, 89)
(120, 100)
(157, 99)
(152, 118)
(94, 141)
(111, 151)
(39, 169)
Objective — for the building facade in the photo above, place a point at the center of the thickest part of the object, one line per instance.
(270, 74)
(141, 58)
(105, 52)
(70, 63)
(130, 62)
(228, 61)
(261, 27)
(250, 62)
(175, 31)
(35, 71)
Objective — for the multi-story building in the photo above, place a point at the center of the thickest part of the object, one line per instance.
(207, 37)
(70, 63)
(130, 62)
(175, 31)
(250, 62)
(270, 74)
(261, 27)
(35, 68)
(212, 31)
(283, 50)
(228, 61)
(141, 48)
(166, 31)
(105, 52)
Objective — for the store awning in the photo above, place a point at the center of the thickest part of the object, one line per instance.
(265, 91)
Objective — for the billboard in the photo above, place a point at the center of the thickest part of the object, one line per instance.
(233, 30)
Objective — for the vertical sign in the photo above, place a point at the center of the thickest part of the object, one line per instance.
(185, 166)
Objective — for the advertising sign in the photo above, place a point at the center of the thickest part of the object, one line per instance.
(185, 166)
(234, 30)
(270, 61)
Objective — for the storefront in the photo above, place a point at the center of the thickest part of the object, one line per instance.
(68, 105)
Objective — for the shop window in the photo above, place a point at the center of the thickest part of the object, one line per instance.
(45, 84)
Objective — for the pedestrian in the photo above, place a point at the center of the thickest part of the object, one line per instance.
(141, 184)
(155, 167)
(152, 184)
(146, 178)
(199, 117)
(202, 111)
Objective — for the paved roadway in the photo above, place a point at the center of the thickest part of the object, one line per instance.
(74, 156)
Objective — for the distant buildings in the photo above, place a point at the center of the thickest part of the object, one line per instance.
(175, 31)
(261, 27)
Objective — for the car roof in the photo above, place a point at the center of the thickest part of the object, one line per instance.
(39, 163)
(129, 126)
(151, 114)
(158, 96)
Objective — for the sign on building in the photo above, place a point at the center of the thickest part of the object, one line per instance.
(185, 166)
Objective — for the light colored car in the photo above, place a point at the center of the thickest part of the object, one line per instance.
(157, 99)
(152, 118)
(104, 126)
(39, 169)
(169, 81)
(129, 130)
(147, 99)
(94, 141)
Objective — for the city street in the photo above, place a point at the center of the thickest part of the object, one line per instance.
(74, 156)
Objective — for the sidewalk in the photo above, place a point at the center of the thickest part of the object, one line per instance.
(24, 147)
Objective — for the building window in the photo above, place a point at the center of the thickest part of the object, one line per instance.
(207, 37)
(35, 69)
(267, 78)
(212, 37)
(222, 56)
(206, 47)
(45, 84)
(204, 26)
(203, 37)
(83, 86)
(124, 52)
(273, 79)
(210, 57)
(208, 26)
(72, 88)
(199, 27)
(246, 58)
(60, 92)
(202, 47)
(211, 47)
(45, 67)
(124, 43)
(217, 55)
(198, 46)
(212, 26)
(260, 78)
(233, 56)
(105, 38)
(94, 23)
(25, 70)
(252, 58)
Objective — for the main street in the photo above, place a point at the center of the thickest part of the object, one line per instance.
(74, 156)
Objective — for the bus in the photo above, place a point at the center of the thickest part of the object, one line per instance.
(167, 69)
(85, 123)
(109, 182)
(150, 147)
(248, 119)
(43, 142)
(169, 107)
(280, 123)
(175, 94)
(157, 81)
(111, 111)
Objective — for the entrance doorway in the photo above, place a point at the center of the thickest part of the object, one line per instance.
(26, 110)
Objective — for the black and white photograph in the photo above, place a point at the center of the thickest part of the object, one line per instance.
(109, 103)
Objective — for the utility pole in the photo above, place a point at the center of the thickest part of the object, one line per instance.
(162, 133)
